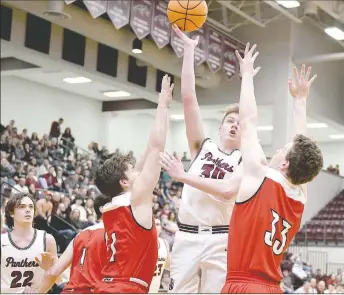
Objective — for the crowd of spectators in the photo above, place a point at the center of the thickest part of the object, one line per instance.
(61, 177)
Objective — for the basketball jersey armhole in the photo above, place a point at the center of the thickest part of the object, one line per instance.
(141, 226)
(199, 151)
(250, 198)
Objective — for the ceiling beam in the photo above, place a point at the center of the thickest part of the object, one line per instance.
(241, 13)
(276, 6)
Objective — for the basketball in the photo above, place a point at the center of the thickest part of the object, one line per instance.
(188, 15)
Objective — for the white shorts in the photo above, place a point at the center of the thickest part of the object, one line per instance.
(198, 263)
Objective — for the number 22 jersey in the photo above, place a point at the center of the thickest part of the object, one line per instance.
(200, 208)
(18, 266)
(262, 228)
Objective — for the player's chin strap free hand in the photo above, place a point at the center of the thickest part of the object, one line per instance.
(247, 62)
(186, 40)
(299, 88)
(173, 166)
(45, 260)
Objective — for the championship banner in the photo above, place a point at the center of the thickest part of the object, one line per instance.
(201, 49)
(161, 26)
(119, 12)
(229, 59)
(96, 7)
(69, 1)
(214, 54)
(141, 17)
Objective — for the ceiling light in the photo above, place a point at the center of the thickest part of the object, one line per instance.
(317, 125)
(177, 117)
(337, 136)
(137, 46)
(116, 93)
(335, 33)
(77, 80)
(289, 4)
(265, 128)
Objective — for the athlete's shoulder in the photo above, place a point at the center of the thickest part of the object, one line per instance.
(117, 202)
(289, 190)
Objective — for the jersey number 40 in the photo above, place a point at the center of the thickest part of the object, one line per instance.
(277, 245)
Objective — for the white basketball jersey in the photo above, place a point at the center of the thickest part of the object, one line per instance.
(163, 251)
(18, 266)
(197, 207)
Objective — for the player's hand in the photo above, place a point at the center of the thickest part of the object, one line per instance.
(173, 166)
(299, 88)
(45, 260)
(188, 42)
(247, 63)
(165, 96)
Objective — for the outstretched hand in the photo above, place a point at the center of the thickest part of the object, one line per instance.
(45, 260)
(299, 88)
(166, 90)
(186, 40)
(247, 63)
(173, 166)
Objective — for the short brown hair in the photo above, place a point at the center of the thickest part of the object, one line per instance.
(113, 170)
(305, 160)
(14, 203)
(232, 108)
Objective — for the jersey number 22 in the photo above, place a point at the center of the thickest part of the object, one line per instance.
(277, 245)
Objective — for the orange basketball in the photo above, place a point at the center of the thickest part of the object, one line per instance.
(188, 15)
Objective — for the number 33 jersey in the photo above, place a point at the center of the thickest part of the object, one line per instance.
(262, 228)
(18, 266)
(200, 208)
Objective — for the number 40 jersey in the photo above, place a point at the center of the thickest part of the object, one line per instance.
(200, 208)
(18, 266)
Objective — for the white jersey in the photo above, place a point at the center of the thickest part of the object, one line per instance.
(18, 266)
(197, 207)
(163, 252)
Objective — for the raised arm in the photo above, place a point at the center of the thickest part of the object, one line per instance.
(223, 189)
(252, 153)
(142, 190)
(299, 90)
(192, 112)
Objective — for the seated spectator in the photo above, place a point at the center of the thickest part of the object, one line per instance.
(74, 220)
(313, 289)
(20, 187)
(19, 151)
(304, 289)
(5, 168)
(50, 178)
(38, 154)
(80, 208)
(28, 153)
(71, 183)
(44, 208)
(90, 209)
(332, 280)
(321, 287)
(34, 139)
(287, 282)
(31, 179)
(44, 167)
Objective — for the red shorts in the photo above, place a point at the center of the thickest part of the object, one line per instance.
(77, 291)
(237, 287)
(120, 288)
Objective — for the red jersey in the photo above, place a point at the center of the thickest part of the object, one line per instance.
(88, 258)
(132, 250)
(262, 228)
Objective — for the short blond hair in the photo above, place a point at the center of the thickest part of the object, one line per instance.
(232, 108)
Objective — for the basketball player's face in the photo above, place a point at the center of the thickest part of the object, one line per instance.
(230, 129)
(23, 214)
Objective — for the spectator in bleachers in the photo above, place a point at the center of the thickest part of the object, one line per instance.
(78, 205)
(304, 289)
(28, 153)
(19, 151)
(55, 129)
(74, 219)
(20, 186)
(39, 154)
(34, 139)
(71, 183)
(313, 288)
(287, 282)
(67, 140)
(321, 287)
(50, 178)
(44, 208)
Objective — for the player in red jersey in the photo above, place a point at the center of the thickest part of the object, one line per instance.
(271, 199)
(85, 254)
(132, 248)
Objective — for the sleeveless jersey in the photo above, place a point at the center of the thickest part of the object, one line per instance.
(18, 266)
(88, 258)
(262, 228)
(200, 208)
(132, 250)
(163, 251)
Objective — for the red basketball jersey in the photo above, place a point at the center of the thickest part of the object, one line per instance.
(88, 258)
(132, 251)
(262, 228)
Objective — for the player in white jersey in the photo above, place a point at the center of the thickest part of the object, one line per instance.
(199, 254)
(163, 260)
(21, 247)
